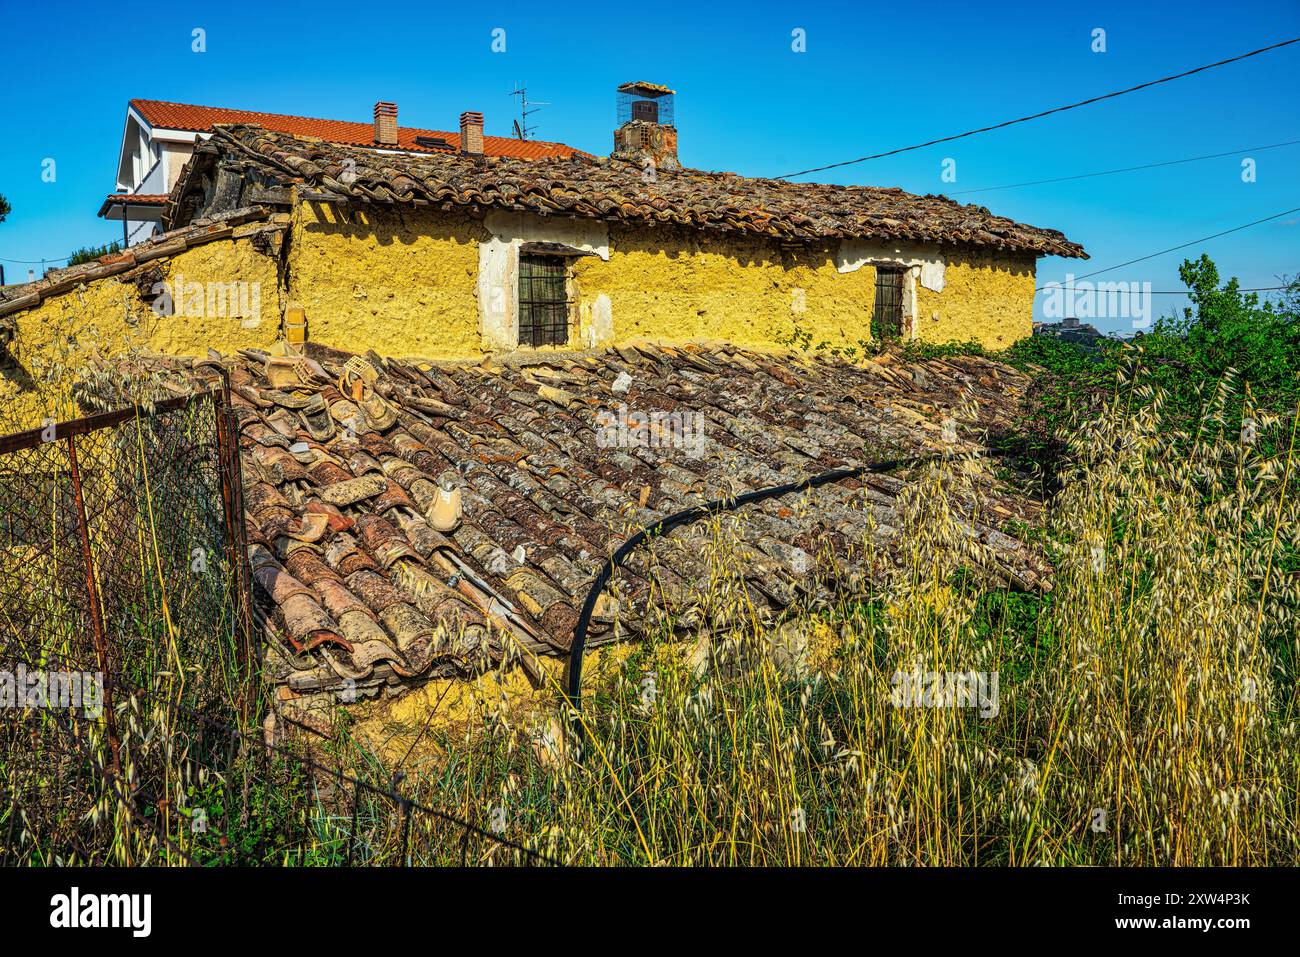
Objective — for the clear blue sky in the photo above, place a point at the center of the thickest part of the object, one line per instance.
(874, 77)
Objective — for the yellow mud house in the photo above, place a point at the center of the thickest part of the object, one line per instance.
(453, 253)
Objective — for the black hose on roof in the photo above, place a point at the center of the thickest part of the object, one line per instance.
(574, 690)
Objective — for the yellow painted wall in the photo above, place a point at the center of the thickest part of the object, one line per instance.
(399, 281)
(672, 283)
(679, 284)
(987, 297)
(404, 282)
(54, 341)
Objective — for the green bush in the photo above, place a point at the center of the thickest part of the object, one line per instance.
(1224, 334)
(90, 253)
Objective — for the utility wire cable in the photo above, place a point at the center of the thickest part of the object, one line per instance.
(1187, 292)
(1036, 116)
(51, 260)
(1203, 239)
(1126, 169)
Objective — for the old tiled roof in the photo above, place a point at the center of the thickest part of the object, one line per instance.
(134, 199)
(614, 190)
(357, 584)
(201, 119)
(254, 222)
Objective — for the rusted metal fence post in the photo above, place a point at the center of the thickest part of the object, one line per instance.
(96, 612)
(232, 502)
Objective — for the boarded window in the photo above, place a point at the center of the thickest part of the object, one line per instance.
(543, 301)
(887, 317)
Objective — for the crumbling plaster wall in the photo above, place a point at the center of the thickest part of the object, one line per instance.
(443, 283)
(55, 339)
(668, 282)
(988, 297)
(397, 280)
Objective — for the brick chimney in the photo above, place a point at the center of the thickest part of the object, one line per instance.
(471, 133)
(385, 124)
(646, 135)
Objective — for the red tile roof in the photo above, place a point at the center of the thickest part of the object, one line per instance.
(135, 199)
(201, 119)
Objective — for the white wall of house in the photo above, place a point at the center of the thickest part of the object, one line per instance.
(175, 156)
(150, 163)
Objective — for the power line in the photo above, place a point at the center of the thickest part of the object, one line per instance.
(1035, 116)
(51, 259)
(34, 262)
(1235, 229)
(59, 259)
(1185, 292)
(1127, 169)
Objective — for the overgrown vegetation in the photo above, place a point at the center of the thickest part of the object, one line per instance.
(1147, 703)
(1144, 710)
(1223, 332)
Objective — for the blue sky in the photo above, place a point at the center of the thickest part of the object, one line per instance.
(873, 77)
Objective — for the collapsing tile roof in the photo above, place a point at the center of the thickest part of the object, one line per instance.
(611, 189)
(201, 119)
(341, 491)
(264, 229)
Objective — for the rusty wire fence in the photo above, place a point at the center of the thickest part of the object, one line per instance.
(129, 689)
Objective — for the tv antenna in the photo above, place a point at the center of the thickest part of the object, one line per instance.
(527, 107)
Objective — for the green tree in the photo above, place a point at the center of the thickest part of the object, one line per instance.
(88, 253)
(1228, 329)
(1224, 329)
(5, 208)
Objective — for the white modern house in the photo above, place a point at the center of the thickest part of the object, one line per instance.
(159, 138)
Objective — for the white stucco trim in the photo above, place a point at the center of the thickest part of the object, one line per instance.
(909, 301)
(498, 269)
(597, 322)
(160, 135)
(856, 253)
(925, 268)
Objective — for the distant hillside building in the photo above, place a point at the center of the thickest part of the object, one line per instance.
(1070, 330)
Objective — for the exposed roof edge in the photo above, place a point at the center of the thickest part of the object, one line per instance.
(15, 299)
(132, 199)
(610, 189)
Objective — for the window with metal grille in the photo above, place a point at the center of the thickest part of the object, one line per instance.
(543, 301)
(887, 317)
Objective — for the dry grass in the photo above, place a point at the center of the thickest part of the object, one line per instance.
(1146, 715)
(1146, 708)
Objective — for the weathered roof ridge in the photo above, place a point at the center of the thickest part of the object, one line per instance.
(610, 189)
(247, 222)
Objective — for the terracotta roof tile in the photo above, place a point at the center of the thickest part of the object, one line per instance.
(201, 119)
(611, 189)
(377, 595)
(135, 199)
